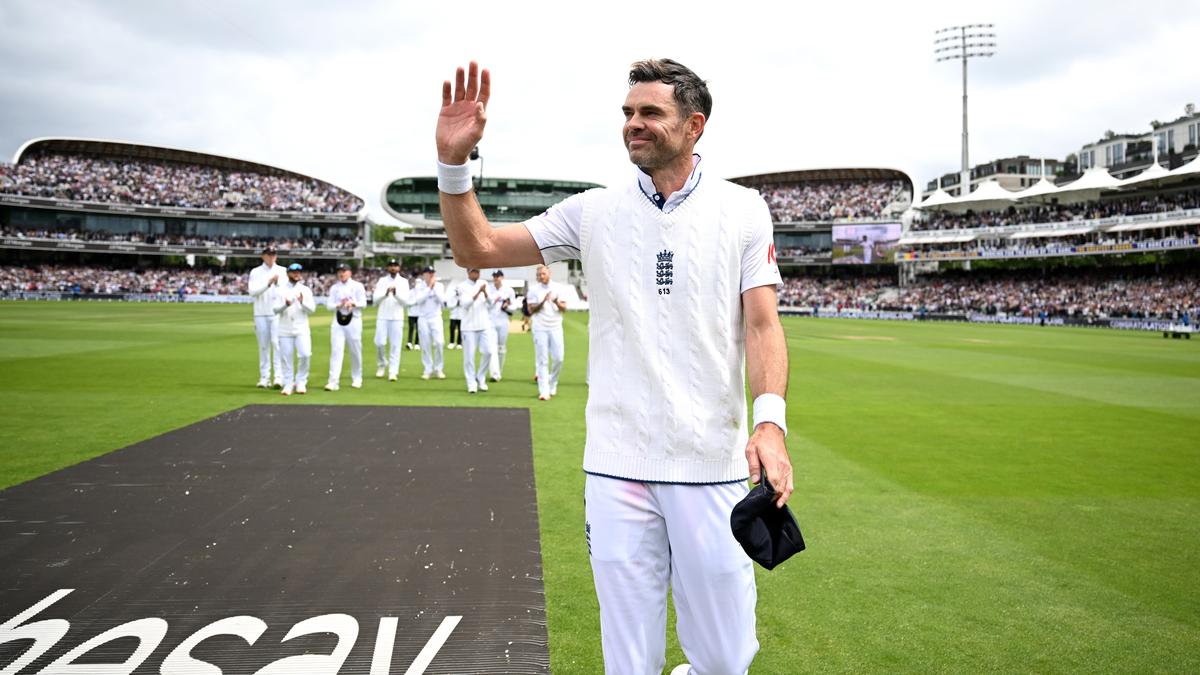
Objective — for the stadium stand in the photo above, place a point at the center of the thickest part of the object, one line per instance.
(833, 195)
(345, 243)
(167, 183)
(106, 199)
(820, 201)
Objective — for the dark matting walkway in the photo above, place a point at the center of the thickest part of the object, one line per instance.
(360, 533)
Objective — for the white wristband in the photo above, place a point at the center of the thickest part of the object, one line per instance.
(454, 179)
(771, 408)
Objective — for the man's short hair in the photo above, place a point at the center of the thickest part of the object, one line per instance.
(691, 92)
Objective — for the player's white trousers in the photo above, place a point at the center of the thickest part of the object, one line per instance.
(548, 351)
(380, 344)
(433, 342)
(266, 329)
(500, 331)
(339, 337)
(389, 334)
(644, 537)
(299, 346)
(484, 341)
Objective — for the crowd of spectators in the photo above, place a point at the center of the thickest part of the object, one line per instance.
(1063, 292)
(165, 281)
(81, 279)
(163, 183)
(330, 242)
(828, 200)
(833, 293)
(1092, 294)
(1158, 203)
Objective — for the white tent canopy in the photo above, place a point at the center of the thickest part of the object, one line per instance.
(1154, 173)
(1089, 186)
(989, 196)
(939, 198)
(1192, 168)
(1043, 187)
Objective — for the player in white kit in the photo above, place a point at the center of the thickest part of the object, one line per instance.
(428, 298)
(390, 297)
(264, 284)
(294, 303)
(682, 307)
(546, 308)
(477, 332)
(454, 304)
(502, 301)
(346, 300)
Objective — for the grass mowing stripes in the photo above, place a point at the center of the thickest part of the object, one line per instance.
(976, 498)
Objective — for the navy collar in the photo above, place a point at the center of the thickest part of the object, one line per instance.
(668, 204)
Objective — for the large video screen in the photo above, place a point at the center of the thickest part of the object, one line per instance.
(873, 244)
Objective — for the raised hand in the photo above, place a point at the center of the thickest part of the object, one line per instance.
(464, 114)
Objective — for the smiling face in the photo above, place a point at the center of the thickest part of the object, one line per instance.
(543, 274)
(293, 276)
(473, 275)
(655, 133)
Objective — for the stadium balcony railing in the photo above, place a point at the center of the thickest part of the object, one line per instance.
(119, 208)
(24, 242)
(1069, 227)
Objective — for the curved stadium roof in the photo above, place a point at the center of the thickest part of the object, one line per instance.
(807, 175)
(126, 149)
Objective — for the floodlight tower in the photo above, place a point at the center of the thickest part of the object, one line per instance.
(975, 40)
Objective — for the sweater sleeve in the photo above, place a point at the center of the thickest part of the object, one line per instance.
(556, 231)
(758, 257)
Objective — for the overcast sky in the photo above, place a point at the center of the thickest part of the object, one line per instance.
(349, 92)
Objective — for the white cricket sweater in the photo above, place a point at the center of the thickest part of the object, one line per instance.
(474, 310)
(391, 305)
(262, 290)
(667, 397)
(293, 318)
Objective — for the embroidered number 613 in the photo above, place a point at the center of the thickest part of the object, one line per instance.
(664, 291)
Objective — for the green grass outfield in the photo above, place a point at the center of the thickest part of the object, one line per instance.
(975, 498)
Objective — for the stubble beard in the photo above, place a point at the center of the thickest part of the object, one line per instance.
(656, 155)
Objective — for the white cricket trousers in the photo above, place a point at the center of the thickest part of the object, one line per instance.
(484, 341)
(433, 342)
(389, 334)
(548, 351)
(643, 537)
(500, 331)
(299, 346)
(339, 336)
(266, 329)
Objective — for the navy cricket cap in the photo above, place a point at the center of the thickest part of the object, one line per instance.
(270, 249)
(343, 266)
(427, 270)
(295, 267)
(498, 273)
(769, 535)
(393, 261)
